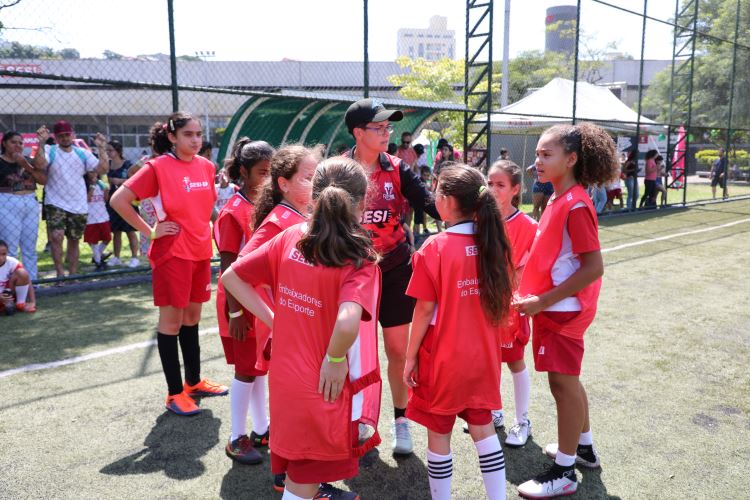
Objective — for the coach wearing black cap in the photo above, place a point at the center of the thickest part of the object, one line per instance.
(393, 187)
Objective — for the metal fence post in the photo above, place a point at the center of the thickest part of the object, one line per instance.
(173, 57)
(366, 83)
(731, 99)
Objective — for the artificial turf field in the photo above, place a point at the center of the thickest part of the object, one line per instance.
(665, 370)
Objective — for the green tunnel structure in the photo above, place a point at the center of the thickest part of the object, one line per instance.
(316, 118)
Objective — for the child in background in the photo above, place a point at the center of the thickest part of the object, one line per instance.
(463, 284)
(419, 222)
(248, 165)
(15, 283)
(98, 232)
(504, 181)
(560, 289)
(225, 189)
(324, 366)
(660, 173)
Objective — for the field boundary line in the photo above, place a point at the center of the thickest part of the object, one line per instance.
(87, 357)
(675, 235)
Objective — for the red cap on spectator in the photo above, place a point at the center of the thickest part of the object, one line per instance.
(62, 127)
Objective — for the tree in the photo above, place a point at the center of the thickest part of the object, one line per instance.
(712, 73)
(70, 54)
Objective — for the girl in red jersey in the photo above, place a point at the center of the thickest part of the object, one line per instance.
(504, 181)
(248, 165)
(283, 202)
(180, 184)
(463, 284)
(326, 286)
(560, 288)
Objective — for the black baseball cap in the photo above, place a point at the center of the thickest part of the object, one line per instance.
(369, 110)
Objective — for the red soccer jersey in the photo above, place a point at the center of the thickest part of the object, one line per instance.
(281, 217)
(231, 231)
(545, 251)
(184, 193)
(459, 360)
(307, 299)
(521, 230)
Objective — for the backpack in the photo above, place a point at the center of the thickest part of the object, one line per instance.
(78, 151)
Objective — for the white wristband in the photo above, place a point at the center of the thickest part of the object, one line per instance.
(235, 314)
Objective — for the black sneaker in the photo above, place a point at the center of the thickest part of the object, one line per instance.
(279, 482)
(330, 492)
(260, 440)
(241, 450)
(553, 482)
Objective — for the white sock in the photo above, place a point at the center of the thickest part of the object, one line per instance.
(239, 397)
(492, 465)
(96, 252)
(288, 495)
(521, 392)
(440, 472)
(586, 437)
(565, 460)
(258, 406)
(21, 292)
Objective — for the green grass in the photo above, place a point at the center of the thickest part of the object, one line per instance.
(665, 370)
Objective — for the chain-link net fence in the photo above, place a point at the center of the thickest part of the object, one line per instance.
(668, 76)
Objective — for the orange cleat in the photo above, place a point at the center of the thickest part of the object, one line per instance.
(182, 404)
(206, 388)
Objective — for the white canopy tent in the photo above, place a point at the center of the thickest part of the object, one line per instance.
(553, 104)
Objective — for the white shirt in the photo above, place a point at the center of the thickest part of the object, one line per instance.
(223, 194)
(566, 264)
(66, 187)
(97, 208)
(7, 270)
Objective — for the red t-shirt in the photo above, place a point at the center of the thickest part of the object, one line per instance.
(459, 360)
(280, 218)
(231, 230)
(183, 192)
(521, 230)
(308, 298)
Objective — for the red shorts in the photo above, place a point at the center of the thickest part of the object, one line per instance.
(554, 352)
(614, 193)
(94, 233)
(318, 471)
(241, 355)
(177, 282)
(512, 352)
(443, 424)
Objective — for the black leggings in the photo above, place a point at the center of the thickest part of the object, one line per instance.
(649, 196)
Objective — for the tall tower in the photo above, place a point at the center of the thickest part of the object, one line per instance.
(560, 33)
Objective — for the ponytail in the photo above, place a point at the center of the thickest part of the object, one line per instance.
(494, 263)
(334, 237)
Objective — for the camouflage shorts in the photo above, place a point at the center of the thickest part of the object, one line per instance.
(58, 220)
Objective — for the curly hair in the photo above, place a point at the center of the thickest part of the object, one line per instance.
(595, 149)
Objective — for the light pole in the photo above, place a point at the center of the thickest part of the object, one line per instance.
(204, 55)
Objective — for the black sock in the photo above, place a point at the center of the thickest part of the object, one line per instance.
(170, 362)
(399, 412)
(191, 353)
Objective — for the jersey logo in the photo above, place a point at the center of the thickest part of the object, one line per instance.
(236, 202)
(286, 215)
(388, 195)
(376, 216)
(569, 197)
(541, 350)
(472, 251)
(297, 256)
(189, 186)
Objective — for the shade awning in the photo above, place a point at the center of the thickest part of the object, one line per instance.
(316, 118)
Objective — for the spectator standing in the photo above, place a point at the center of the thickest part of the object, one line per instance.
(19, 223)
(118, 174)
(66, 201)
(98, 231)
(421, 156)
(540, 193)
(406, 152)
(504, 155)
(630, 169)
(718, 168)
(661, 172)
(649, 181)
(224, 190)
